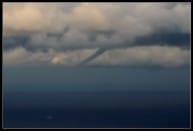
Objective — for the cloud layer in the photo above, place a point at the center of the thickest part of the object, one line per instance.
(133, 18)
(145, 55)
(67, 33)
(142, 55)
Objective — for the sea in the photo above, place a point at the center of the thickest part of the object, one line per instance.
(95, 97)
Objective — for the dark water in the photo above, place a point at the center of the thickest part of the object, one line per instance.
(83, 98)
(90, 118)
(98, 110)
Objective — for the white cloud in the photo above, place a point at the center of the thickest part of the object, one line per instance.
(20, 55)
(129, 19)
(143, 55)
(183, 17)
(88, 16)
(71, 57)
(31, 17)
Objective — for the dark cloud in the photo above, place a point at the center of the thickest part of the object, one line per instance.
(166, 38)
(10, 42)
(60, 34)
(92, 35)
(181, 40)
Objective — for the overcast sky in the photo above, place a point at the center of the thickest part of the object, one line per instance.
(105, 34)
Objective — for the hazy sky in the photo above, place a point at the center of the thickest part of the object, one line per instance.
(103, 34)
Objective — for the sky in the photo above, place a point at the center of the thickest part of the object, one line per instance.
(97, 34)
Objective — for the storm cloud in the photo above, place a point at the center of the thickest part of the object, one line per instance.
(56, 31)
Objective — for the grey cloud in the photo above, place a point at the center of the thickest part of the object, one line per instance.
(57, 41)
(14, 41)
(105, 23)
(103, 26)
(97, 25)
(143, 55)
(165, 38)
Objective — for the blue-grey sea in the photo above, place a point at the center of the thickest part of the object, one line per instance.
(95, 97)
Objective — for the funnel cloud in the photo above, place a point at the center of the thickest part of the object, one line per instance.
(92, 57)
